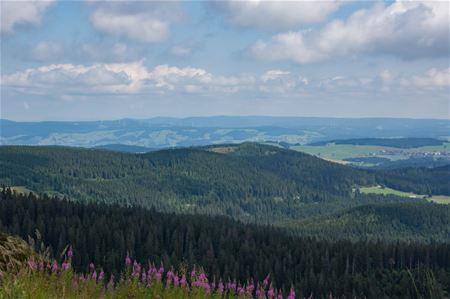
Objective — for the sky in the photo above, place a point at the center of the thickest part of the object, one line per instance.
(92, 60)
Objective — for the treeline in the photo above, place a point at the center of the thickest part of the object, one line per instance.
(425, 181)
(104, 234)
(409, 222)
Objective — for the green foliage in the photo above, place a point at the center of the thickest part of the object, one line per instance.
(393, 221)
(429, 181)
(252, 182)
(67, 284)
(104, 234)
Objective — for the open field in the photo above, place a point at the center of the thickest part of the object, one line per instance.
(21, 189)
(441, 199)
(340, 152)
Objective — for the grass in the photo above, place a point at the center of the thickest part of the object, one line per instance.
(339, 152)
(440, 199)
(21, 189)
(27, 274)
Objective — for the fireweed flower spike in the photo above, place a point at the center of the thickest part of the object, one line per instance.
(101, 276)
(266, 280)
(183, 281)
(280, 295)
(220, 288)
(54, 267)
(127, 260)
(271, 292)
(291, 294)
(32, 265)
(94, 275)
(65, 265)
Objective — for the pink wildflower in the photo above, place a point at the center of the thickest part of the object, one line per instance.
(183, 280)
(127, 260)
(101, 276)
(32, 265)
(240, 291)
(65, 265)
(169, 278)
(220, 287)
(291, 294)
(280, 295)
(54, 267)
(249, 288)
(266, 281)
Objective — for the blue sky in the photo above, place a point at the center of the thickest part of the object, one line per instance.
(87, 60)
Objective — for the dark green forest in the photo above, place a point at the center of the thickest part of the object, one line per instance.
(104, 234)
(418, 180)
(250, 182)
(388, 222)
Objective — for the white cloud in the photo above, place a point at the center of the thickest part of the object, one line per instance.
(276, 14)
(111, 78)
(13, 13)
(147, 22)
(273, 74)
(168, 77)
(406, 29)
(136, 78)
(433, 78)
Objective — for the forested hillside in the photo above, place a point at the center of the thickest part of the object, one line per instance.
(418, 180)
(388, 221)
(104, 234)
(250, 182)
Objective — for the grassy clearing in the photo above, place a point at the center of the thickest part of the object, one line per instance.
(339, 152)
(441, 199)
(21, 189)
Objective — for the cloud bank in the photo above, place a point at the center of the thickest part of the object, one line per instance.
(404, 29)
(14, 13)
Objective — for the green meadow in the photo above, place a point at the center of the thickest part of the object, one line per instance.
(340, 152)
(441, 199)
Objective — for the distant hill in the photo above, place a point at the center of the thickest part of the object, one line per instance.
(197, 131)
(389, 142)
(125, 148)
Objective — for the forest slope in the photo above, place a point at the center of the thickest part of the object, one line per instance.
(251, 182)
